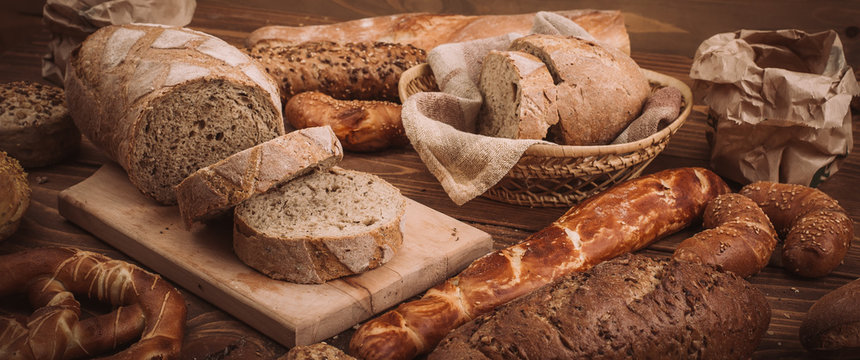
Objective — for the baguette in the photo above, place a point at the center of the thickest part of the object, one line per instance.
(624, 218)
(426, 31)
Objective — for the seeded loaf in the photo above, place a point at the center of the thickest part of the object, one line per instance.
(345, 71)
(164, 102)
(519, 96)
(600, 90)
(325, 225)
(217, 188)
(632, 307)
(318, 351)
(35, 126)
(14, 195)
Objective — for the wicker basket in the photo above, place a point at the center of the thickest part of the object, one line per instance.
(563, 175)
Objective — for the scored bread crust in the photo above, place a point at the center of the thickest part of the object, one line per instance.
(519, 96)
(314, 258)
(14, 195)
(215, 189)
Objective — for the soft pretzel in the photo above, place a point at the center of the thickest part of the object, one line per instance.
(147, 308)
(739, 237)
(816, 231)
(624, 218)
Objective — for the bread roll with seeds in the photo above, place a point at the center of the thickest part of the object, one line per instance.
(164, 101)
(14, 195)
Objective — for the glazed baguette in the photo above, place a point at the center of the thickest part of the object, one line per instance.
(426, 31)
(164, 102)
(347, 71)
(621, 219)
(631, 307)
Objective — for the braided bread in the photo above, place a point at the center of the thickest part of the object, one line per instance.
(147, 308)
(621, 219)
(816, 231)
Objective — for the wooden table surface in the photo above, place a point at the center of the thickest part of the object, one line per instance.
(213, 334)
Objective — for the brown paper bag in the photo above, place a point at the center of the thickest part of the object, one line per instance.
(71, 21)
(779, 104)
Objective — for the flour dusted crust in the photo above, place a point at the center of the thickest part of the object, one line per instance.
(35, 126)
(14, 195)
(165, 101)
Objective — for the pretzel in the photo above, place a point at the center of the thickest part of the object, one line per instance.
(738, 237)
(147, 308)
(816, 231)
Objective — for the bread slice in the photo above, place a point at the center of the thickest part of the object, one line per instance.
(35, 126)
(519, 96)
(600, 90)
(14, 195)
(325, 225)
(215, 189)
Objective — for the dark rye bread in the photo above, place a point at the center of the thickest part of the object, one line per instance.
(35, 126)
(325, 225)
(600, 89)
(519, 97)
(345, 71)
(164, 102)
(629, 307)
(217, 188)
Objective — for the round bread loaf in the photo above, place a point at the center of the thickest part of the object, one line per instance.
(325, 225)
(14, 195)
(832, 324)
(599, 91)
(35, 126)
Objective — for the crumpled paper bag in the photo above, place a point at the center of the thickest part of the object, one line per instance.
(441, 125)
(779, 104)
(71, 21)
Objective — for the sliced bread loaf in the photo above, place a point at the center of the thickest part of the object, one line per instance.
(215, 189)
(600, 90)
(164, 102)
(325, 225)
(519, 96)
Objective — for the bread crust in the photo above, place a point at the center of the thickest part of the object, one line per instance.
(14, 195)
(832, 324)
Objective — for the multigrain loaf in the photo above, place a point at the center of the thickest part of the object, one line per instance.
(519, 96)
(164, 102)
(318, 351)
(600, 90)
(632, 307)
(325, 225)
(345, 70)
(35, 126)
(217, 188)
(14, 195)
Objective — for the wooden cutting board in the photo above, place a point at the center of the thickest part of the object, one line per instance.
(435, 247)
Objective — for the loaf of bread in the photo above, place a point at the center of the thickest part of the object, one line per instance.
(35, 126)
(631, 307)
(347, 70)
(318, 351)
(621, 219)
(600, 89)
(325, 225)
(14, 195)
(164, 102)
(360, 125)
(519, 96)
(426, 31)
(832, 324)
(217, 188)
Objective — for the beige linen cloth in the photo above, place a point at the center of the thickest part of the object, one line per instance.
(441, 125)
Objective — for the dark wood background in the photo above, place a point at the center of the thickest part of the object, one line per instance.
(664, 35)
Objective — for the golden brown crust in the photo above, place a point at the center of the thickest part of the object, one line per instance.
(621, 219)
(739, 237)
(816, 231)
(361, 126)
(14, 195)
(148, 309)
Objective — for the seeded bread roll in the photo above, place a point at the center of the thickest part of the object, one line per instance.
(215, 189)
(519, 96)
(345, 71)
(325, 225)
(164, 102)
(14, 195)
(318, 351)
(35, 127)
(601, 90)
(632, 307)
